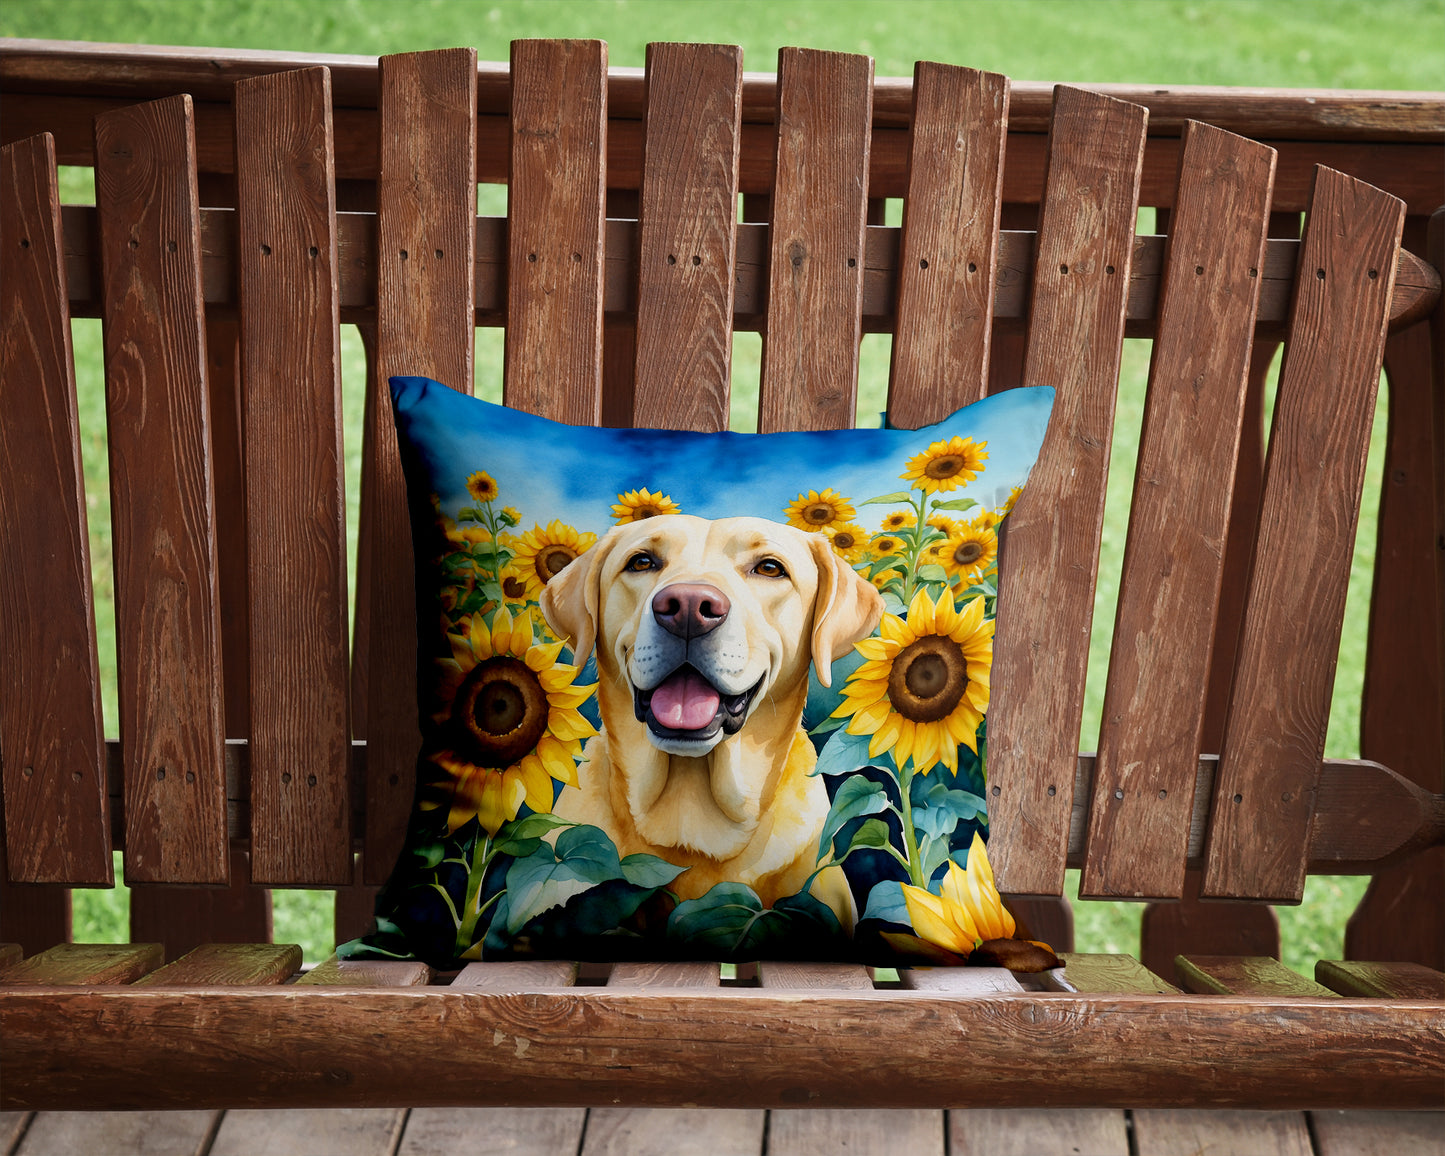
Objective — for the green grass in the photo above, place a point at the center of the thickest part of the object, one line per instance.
(1396, 44)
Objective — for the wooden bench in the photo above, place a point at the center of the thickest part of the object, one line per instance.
(241, 215)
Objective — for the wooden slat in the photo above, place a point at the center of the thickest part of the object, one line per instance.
(10, 953)
(183, 918)
(324, 1132)
(947, 268)
(1173, 561)
(523, 975)
(1382, 980)
(1034, 1131)
(57, 825)
(129, 1133)
(1275, 732)
(1193, 925)
(816, 259)
(515, 1131)
(34, 915)
(814, 976)
(1243, 975)
(335, 972)
(1378, 1133)
(1098, 972)
(228, 963)
(917, 1131)
(664, 975)
(674, 1132)
(555, 205)
(687, 236)
(85, 963)
(959, 980)
(1171, 1132)
(300, 828)
(1081, 275)
(426, 215)
(168, 634)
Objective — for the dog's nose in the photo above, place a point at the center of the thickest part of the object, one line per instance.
(690, 609)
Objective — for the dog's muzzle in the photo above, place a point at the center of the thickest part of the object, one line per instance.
(686, 707)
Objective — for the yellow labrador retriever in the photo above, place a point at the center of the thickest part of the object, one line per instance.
(704, 632)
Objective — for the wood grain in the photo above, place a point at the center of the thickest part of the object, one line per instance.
(13, 1125)
(787, 974)
(1178, 1131)
(168, 633)
(228, 963)
(1035, 1131)
(959, 980)
(1153, 712)
(1076, 330)
(816, 259)
(1275, 732)
(1382, 980)
(674, 1132)
(1242, 975)
(184, 917)
(331, 1132)
(515, 1131)
(335, 972)
(555, 206)
(34, 915)
(84, 964)
(1378, 1133)
(947, 267)
(57, 823)
(915, 1131)
(669, 975)
(1097, 972)
(129, 1133)
(687, 236)
(295, 500)
(522, 975)
(426, 216)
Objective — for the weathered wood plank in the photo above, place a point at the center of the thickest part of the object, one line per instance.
(959, 980)
(85, 963)
(523, 975)
(1275, 732)
(948, 253)
(1383, 980)
(295, 500)
(426, 217)
(674, 1132)
(335, 972)
(1154, 700)
(555, 207)
(816, 260)
(1243, 975)
(788, 974)
(129, 1133)
(1178, 1131)
(228, 963)
(168, 631)
(1076, 332)
(642, 974)
(10, 953)
(1097, 972)
(1342, 1133)
(687, 236)
(802, 1133)
(1035, 1131)
(57, 822)
(471, 1131)
(317, 1132)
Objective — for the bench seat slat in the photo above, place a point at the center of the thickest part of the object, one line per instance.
(57, 823)
(1097, 972)
(1051, 552)
(296, 505)
(168, 634)
(335, 972)
(522, 975)
(1153, 712)
(1382, 980)
(84, 964)
(1243, 975)
(228, 963)
(787, 974)
(1275, 732)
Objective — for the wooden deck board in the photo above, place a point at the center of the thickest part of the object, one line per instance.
(119, 1133)
(1031, 1131)
(1185, 1132)
(314, 1131)
(476, 1131)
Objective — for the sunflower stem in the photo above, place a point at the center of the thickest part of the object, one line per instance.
(910, 837)
(481, 859)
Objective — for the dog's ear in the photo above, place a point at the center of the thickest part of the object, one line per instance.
(570, 600)
(846, 610)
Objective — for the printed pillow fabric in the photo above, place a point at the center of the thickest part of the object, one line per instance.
(701, 696)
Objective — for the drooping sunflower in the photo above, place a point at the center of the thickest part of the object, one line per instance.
(508, 711)
(923, 688)
(482, 487)
(815, 511)
(511, 516)
(968, 553)
(543, 553)
(945, 466)
(898, 520)
(969, 910)
(635, 505)
(848, 541)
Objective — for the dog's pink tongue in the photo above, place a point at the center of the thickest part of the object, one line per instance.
(685, 702)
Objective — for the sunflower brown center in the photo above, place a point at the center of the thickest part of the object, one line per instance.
(928, 679)
(513, 587)
(945, 467)
(819, 514)
(967, 553)
(844, 541)
(500, 712)
(553, 561)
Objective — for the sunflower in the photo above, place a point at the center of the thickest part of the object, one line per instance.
(514, 585)
(943, 522)
(468, 535)
(635, 505)
(542, 554)
(815, 511)
(848, 541)
(969, 552)
(1013, 496)
(883, 577)
(511, 515)
(945, 466)
(482, 486)
(924, 687)
(969, 910)
(884, 545)
(898, 520)
(508, 711)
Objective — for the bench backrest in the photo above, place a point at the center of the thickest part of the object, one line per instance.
(242, 692)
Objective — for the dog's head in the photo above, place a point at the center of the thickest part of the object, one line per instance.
(705, 619)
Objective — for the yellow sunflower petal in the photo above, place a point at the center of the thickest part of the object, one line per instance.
(521, 634)
(927, 914)
(480, 637)
(536, 783)
(543, 656)
(502, 630)
(462, 651)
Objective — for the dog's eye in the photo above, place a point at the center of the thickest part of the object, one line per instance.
(770, 568)
(640, 562)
